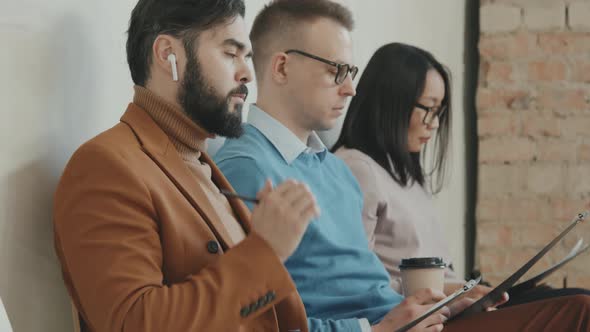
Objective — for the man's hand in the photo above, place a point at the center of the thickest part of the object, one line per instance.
(475, 294)
(411, 308)
(283, 214)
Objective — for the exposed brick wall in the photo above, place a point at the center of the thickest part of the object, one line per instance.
(533, 108)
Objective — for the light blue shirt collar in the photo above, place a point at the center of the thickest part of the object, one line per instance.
(284, 140)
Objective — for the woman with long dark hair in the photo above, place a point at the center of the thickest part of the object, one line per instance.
(403, 101)
(403, 106)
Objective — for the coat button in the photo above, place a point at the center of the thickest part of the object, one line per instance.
(212, 247)
(245, 312)
(271, 296)
(254, 306)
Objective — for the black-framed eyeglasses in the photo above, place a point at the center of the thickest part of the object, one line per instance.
(431, 112)
(343, 69)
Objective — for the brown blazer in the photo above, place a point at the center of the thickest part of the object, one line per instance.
(142, 250)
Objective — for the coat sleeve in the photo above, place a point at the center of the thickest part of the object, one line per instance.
(108, 242)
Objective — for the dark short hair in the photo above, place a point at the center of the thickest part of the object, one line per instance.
(178, 18)
(280, 16)
(378, 118)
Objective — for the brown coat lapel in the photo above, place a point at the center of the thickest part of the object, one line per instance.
(158, 147)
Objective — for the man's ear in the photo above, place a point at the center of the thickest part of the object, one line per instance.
(169, 56)
(280, 67)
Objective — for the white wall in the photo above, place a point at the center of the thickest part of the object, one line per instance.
(64, 79)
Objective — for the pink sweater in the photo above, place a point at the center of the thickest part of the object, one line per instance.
(400, 222)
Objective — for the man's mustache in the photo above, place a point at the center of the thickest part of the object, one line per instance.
(240, 90)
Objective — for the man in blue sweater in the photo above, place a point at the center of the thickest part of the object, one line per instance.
(302, 59)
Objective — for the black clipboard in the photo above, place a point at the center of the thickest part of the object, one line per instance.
(496, 294)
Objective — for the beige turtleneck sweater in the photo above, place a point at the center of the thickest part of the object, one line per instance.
(189, 140)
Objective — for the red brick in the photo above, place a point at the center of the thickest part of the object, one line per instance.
(488, 210)
(524, 210)
(498, 18)
(546, 71)
(498, 123)
(584, 152)
(503, 98)
(512, 210)
(507, 47)
(578, 179)
(557, 151)
(581, 71)
(491, 260)
(575, 127)
(536, 125)
(560, 43)
(562, 99)
(498, 72)
(498, 150)
(578, 16)
(494, 235)
(545, 179)
(499, 180)
(548, 16)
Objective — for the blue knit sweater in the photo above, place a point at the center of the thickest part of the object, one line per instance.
(338, 277)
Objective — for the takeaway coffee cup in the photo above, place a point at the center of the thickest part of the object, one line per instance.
(422, 272)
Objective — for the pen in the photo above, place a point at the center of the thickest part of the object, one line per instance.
(230, 194)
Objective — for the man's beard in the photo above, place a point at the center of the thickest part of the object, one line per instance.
(205, 107)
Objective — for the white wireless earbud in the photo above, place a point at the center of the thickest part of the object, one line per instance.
(172, 59)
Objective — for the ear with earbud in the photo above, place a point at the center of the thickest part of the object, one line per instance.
(172, 60)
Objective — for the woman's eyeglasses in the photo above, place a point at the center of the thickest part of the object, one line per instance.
(431, 112)
(343, 69)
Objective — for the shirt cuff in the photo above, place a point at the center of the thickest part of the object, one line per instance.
(365, 326)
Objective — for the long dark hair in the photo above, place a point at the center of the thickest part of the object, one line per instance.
(379, 115)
